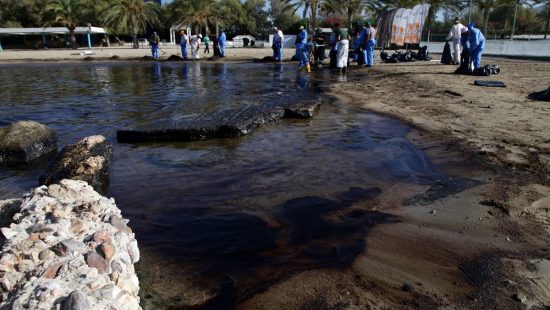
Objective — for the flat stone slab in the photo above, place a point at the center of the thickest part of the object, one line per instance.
(220, 124)
(26, 141)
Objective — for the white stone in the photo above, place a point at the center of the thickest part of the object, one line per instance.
(8, 233)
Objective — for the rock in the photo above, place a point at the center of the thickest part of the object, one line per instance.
(46, 254)
(116, 266)
(519, 297)
(87, 160)
(220, 124)
(133, 251)
(8, 208)
(6, 284)
(67, 247)
(76, 226)
(94, 260)
(26, 141)
(107, 249)
(76, 301)
(302, 110)
(109, 292)
(53, 270)
(101, 236)
(8, 233)
(33, 277)
(120, 224)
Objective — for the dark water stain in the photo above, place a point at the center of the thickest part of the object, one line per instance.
(236, 255)
(445, 187)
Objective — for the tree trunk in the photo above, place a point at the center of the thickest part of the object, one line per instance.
(217, 28)
(73, 38)
(547, 20)
(488, 12)
(351, 13)
(313, 15)
(135, 43)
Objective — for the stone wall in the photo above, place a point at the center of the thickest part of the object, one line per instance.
(506, 48)
(68, 247)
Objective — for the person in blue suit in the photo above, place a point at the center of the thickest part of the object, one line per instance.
(477, 44)
(301, 51)
(370, 43)
(360, 52)
(183, 44)
(222, 41)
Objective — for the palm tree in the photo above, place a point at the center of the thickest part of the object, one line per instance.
(131, 16)
(195, 12)
(308, 5)
(486, 6)
(67, 13)
(350, 8)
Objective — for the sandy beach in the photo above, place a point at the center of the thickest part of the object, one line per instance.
(478, 244)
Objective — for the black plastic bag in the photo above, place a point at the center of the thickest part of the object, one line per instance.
(483, 71)
(447, 58)
(540, 95)
(423, 54)
(465, 64)
(384, 56)
(494, 69)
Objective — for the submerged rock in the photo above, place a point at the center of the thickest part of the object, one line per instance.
(88, 160)
(25, 141)
(221, 124)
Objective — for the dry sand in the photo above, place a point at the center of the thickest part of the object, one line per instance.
(481, 248)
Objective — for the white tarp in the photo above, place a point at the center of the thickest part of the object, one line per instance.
(408, 24)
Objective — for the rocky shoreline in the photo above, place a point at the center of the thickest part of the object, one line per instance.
(68, 246)
(63, 245)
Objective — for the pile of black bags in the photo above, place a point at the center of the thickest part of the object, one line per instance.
(406, 56)
(466, 67)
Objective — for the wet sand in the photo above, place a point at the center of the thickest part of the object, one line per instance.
(482, 248)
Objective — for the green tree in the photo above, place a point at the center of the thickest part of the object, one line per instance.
(195, 12)
(282, 15)
(309, 6)
(67, 13)
(131, 16)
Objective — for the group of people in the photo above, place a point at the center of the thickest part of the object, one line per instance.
(193, 42)
(468, 39)
(310, 50)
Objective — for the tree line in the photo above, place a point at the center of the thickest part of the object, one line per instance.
(129, 18)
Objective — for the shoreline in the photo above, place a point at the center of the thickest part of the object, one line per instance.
(127, 54)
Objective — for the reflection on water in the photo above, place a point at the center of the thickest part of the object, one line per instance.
(221, 218)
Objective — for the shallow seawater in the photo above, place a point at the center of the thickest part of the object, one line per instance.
(220, 220)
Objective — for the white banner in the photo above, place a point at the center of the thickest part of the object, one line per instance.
(408, 24)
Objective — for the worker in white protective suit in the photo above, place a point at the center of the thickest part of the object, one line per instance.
(454, 35)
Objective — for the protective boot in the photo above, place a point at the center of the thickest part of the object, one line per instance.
(308, 68)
